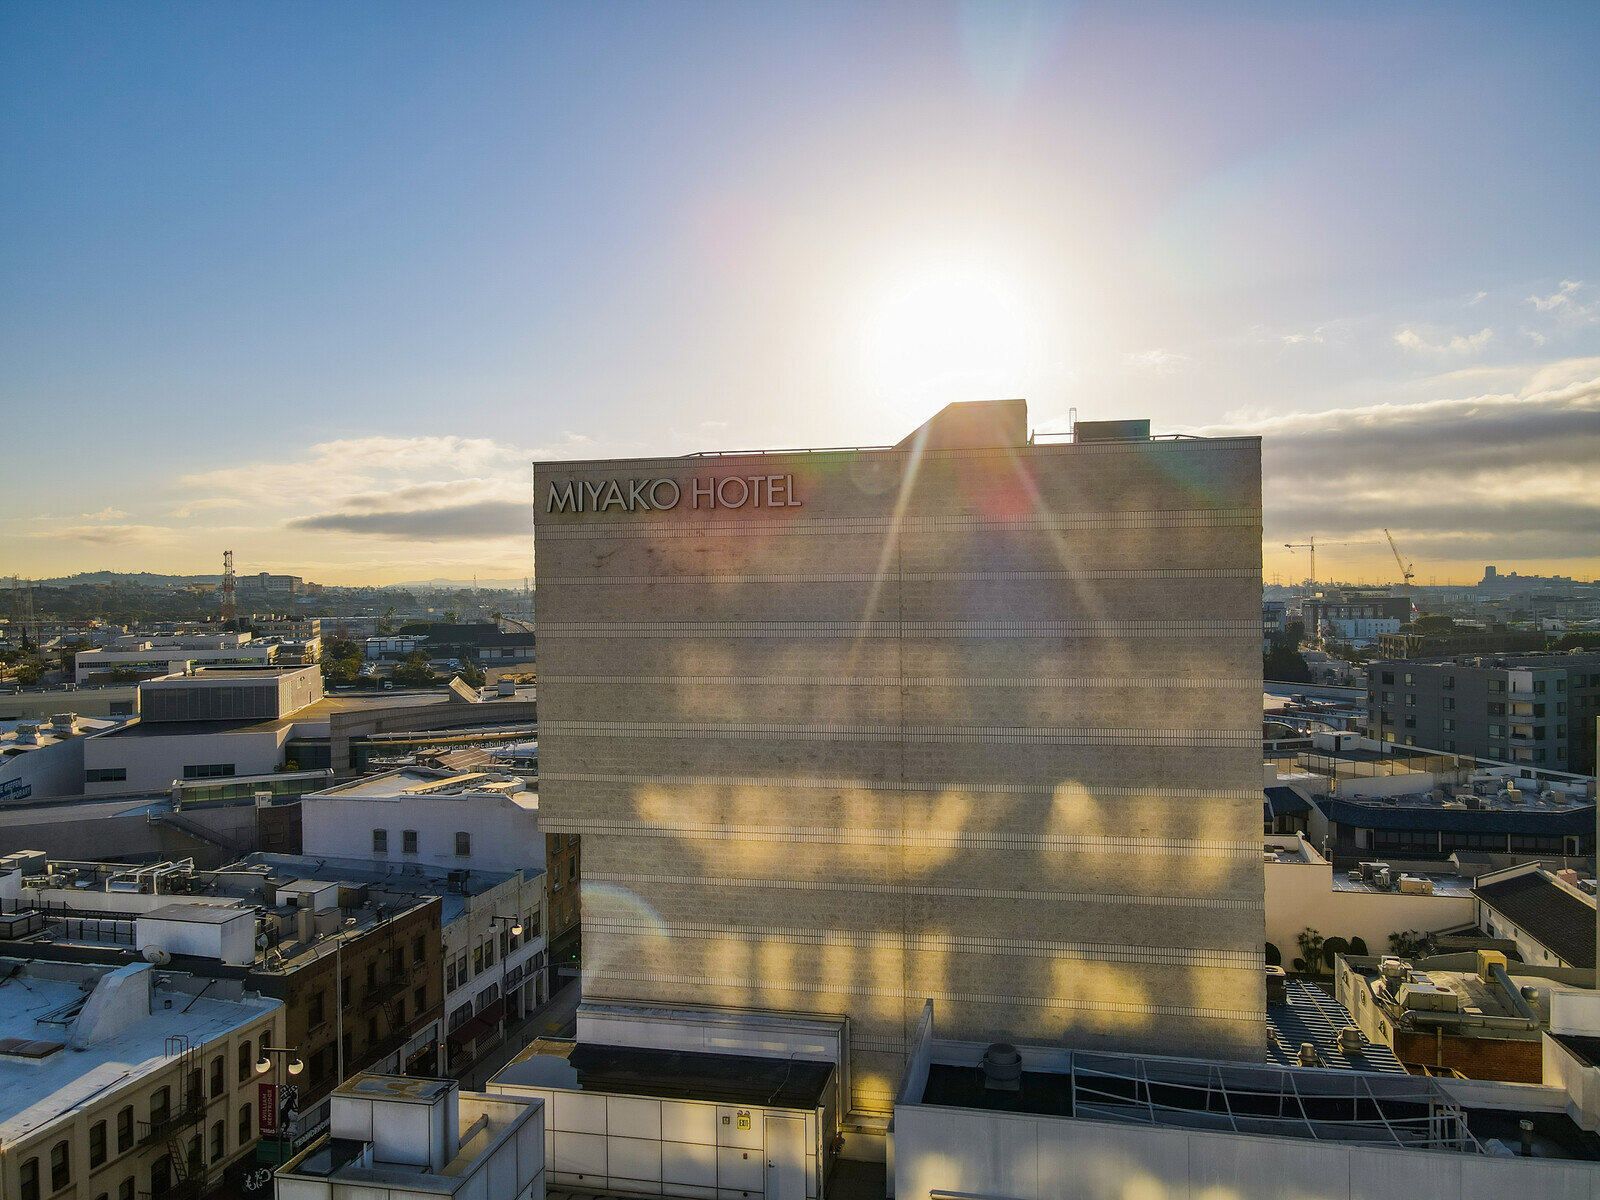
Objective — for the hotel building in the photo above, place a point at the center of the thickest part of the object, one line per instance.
(972, 718)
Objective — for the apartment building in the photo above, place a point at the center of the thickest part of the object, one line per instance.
(1521, 708)
(125, 1081)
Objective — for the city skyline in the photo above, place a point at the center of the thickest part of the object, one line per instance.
(317, 286)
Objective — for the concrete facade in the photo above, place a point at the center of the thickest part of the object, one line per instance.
(969, 718)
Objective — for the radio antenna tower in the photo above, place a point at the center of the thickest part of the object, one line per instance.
(230, 609)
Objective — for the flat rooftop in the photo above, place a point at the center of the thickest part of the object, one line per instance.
(35, 1007)
(1311, 1103)
(408, 783)
(670, 1074)
(1443, 884)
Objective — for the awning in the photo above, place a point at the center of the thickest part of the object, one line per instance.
(476, 1027)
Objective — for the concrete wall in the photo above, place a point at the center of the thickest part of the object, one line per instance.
(977, 725)
(90, 830)
(950, 1150)
(55, 770)
(154, 761)
(1301, 895)
(505, 835)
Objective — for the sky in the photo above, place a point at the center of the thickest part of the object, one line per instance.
(316, 282)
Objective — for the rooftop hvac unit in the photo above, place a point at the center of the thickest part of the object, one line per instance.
(1427, 997)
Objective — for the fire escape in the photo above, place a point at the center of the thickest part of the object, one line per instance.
(181, 1128)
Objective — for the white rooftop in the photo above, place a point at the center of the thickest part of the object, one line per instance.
(43, 1002)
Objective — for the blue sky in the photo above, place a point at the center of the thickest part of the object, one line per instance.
(315, 281)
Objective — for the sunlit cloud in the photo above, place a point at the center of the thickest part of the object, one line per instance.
(1460, 344)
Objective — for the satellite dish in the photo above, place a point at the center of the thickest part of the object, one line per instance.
(157, 955)
(261, 941)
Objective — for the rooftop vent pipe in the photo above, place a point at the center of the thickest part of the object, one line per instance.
(1002, 1068)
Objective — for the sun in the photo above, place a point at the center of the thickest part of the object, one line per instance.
(952, 327)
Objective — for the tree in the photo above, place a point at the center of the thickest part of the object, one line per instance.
(1408, 944)
(30, 672)
(1274, 956)
(414, 671)
(1332, 948)
(1285, 665)
(1311, 943)
(1358, 947)
(472, 674)
(342, 660)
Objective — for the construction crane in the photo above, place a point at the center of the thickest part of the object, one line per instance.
(1406, 573)
(1311, 545)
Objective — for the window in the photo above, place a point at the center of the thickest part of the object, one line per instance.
(208, 771)
(97, 1143)
(218, 1083)
(315, 1015)
(408, 841)
(344, 992)
(1410, 723)
(1497, 686)
(105, 775)
(244, 1124)
(125, 1130)
(372, 974)
(28, 1179)
(1448, 703)
(505, 942)
(477, 960)
(419, 948)
(1411, 699)
(125, 1189)
(194, 1095)
(1450, 745)
(160, 1105)
(1538, 687)
(1449, 725)
(372, 1032)
(450, 976)
(1448, 682)
(1538, 710)
(1411, 739)
(530, 924)
(1411, 679)
(1388, 697)
(488, 953)
(380, 841)
(463, 845)
(1497, 731)
(420, 999)
(1388, 677)
(246, 1062)
(219, 1141)
(60, 1172)
(1497, 710)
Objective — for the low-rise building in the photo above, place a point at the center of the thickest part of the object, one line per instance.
(391, 1136)
(125, 1080)
(1478, 1013)
(1042, 1123)
(1549, 915)
(1356, 906)
(44, 757)
(170, 655)
(422, 819)
(358, 966)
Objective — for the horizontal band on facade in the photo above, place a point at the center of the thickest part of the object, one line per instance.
(1172, 956)
(1137, 681)
(836, 836)
(1108, 575)
(961, 734)
(1187, 628)
(916, 889)
(1144, 451)
(884, 785)
(1122, 1007)
(694, 526)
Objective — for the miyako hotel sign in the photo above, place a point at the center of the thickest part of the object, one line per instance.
(652, 495)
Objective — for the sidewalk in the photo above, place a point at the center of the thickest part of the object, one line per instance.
(556, 1017)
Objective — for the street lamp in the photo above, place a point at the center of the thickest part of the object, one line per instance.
(516, 931)
(274, 1056)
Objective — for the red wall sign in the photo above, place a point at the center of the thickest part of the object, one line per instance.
(267, 1106)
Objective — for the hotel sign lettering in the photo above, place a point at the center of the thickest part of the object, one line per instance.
(662, 495)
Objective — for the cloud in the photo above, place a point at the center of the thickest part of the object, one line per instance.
(1562, 297)
(112, 535)
(482, 520)
(105, 514)
(1460, 344)
(1162, 362)
(1498, 476)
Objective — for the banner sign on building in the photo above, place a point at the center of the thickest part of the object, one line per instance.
(267, 1106)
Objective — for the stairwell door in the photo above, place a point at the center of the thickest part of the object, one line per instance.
(786, 1158)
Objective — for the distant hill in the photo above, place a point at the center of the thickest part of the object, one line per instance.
(142, 578)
